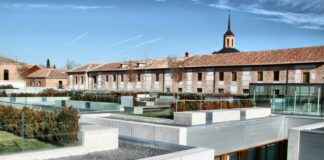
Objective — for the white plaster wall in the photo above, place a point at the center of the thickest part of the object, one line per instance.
(149, 131)
(190, 118)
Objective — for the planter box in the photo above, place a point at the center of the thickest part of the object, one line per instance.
(214, 116)
(251, 113)
(190, 118)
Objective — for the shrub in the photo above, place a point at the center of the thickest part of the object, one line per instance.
(6, 86)
(60, 127)
(44, 93)
(210, 105)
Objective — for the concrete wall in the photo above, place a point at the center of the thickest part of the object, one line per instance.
(93, 141)
(35, 100)
(190, 118)
(305, 143)
(148, 131)
(233, 136)
(99, 106)
(311, 146)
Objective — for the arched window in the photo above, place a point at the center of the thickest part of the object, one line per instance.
(228, 42)
(6, 75)
(233, 42)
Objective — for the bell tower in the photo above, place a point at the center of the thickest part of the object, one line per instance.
(229, 37)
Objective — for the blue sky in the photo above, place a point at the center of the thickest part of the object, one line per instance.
(100, 31)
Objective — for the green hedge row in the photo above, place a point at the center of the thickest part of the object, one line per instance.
(60, 127)
(211, 105)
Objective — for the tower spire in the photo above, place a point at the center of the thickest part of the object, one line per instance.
(229, 20)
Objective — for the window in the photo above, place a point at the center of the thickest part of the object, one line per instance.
(306, 77)
(6, 75)
(260, 76)
(82, 80)
(228, 42)
(76, 80)
(60, 86)
(199, 76)
(157, 77)
(199, 90)
(234, 76)
(115, 77)
(221, 76)
(276, 75)
(95, 80)
(180, 90)
(138, 77)
(179, 77)
(122, 77)
(276, 92)
(220, 90)
(107, 78)
(246, 91)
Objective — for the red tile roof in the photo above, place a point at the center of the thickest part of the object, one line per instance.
(83, 68)
(48, 73)
(271, 57)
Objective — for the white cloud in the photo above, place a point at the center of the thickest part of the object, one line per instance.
(148, 42)
(298, 13)
(78, 38)
(53, 6)
(127, 40)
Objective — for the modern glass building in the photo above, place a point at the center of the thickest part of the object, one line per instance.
(297, 99)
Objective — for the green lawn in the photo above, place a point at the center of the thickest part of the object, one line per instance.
(10, 143)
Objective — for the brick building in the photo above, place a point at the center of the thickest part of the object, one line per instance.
(21, 75)
(227, 71)
(47, 78)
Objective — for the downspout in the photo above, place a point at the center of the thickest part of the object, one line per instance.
(163, 81)
(214, 82)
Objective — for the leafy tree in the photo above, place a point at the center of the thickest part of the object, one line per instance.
(48, 63)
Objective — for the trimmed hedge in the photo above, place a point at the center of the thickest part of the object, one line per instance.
(95, 97)
(45, 93)
(60, 127)
(211, 105)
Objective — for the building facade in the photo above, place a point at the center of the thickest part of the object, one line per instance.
(227, 71)
(47, 78)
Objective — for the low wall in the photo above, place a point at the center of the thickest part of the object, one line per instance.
(92, 142)
(190, 118)
(93, 106)
(148, 131)
(191, 154)
(34, 100)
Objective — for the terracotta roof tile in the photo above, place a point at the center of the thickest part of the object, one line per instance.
(271, 57)
(48, 73)
(83, 68)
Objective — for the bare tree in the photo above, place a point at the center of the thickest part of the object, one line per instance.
(70, 64)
